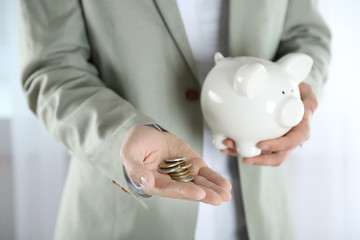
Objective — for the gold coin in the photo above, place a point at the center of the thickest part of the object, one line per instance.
(179, 172)
(185, 180)
(175, 160)
(185, 165)
(169, 165)
(169, 170)
(184, 176)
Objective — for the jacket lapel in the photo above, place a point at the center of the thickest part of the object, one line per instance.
(171, 16)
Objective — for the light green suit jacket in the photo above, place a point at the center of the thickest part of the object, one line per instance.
(92, 69)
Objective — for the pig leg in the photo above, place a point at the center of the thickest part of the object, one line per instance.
(217, 140)
(247, 149)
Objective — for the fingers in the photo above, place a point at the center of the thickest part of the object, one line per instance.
(291, 140)
(309, 99)
(275, 151)
(308, 96)
(200, 168)
(166, 187)
(230, 143)
(215, 177)
(215, 194)
(140, 173)
(268, 159)
(231, 150)
(307, 114)
(208, 188)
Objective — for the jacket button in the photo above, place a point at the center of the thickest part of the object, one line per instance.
(192, 94)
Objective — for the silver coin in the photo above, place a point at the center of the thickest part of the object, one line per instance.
(175, 160)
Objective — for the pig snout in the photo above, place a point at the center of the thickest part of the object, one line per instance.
(291, 112)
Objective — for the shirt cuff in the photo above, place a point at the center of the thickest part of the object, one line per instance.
(135, 187)
(156, 126)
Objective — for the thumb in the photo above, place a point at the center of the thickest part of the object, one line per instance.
(140, 173)
(308, 114)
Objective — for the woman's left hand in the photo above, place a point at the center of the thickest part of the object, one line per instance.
(276, 151)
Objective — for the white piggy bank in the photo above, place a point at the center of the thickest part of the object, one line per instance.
(250, 99)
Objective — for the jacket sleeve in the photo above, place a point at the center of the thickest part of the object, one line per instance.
(305, 31)
(63, 88)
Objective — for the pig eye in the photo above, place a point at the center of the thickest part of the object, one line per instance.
(283, 92)
(292, 90)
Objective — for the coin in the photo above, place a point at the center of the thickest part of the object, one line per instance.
(179, 172)
(169, 165)
(175, 160)
(189, 178)
(177, 169)
(183, 176)
(185, 165)
(169, 170)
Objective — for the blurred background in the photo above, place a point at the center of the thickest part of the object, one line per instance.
(324, 177)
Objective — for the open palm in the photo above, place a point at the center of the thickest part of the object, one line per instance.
(145, 148)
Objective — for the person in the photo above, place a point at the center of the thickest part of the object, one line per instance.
(108, 77)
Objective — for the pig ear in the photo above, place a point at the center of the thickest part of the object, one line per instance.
(218, 57)
(297, 64)
(248, 77)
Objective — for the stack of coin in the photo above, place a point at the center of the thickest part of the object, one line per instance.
(177, 168)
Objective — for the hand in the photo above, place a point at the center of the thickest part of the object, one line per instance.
(276, 151)
(145, 148)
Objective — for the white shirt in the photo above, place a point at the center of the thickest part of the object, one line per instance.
(205, 23)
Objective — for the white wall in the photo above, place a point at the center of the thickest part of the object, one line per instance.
(324, 174)
(32, 165)
(7, 44)
(6, 184)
